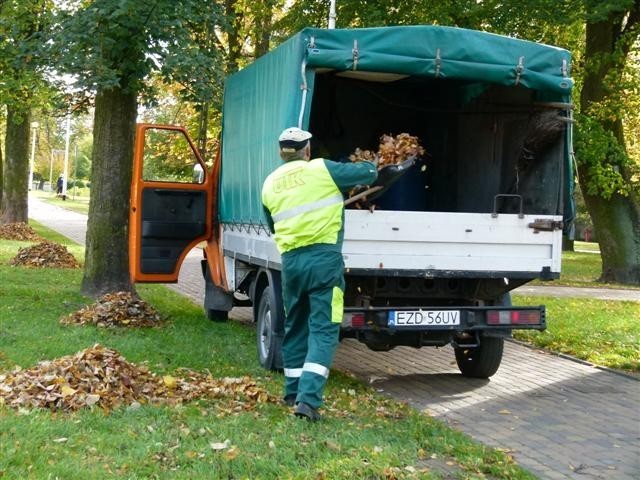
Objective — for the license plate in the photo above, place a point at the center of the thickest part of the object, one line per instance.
(424, 318)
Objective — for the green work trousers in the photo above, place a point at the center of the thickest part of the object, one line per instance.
(313, 286)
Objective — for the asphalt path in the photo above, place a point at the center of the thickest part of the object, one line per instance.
(560, 418)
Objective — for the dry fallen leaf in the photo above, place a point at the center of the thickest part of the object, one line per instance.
(220, 445)
(232, 453)
(66, 390)
(332, 446)
(170, 382)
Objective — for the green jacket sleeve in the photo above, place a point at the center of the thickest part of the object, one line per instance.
(348, 175)
(267, 214)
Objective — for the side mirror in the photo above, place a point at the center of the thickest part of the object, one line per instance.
(198, 173)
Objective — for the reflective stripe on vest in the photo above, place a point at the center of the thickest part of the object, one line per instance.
(307, 207)
(305, 204)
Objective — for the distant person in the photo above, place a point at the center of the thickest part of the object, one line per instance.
(59, 185)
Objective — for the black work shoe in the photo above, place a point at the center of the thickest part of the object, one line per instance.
(305, 411)
(289, 400)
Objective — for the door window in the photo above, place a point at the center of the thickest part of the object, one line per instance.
(168, 157)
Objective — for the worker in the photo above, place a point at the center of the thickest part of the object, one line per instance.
(304, 208)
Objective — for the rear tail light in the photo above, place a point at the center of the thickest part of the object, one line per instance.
(513, 317)
(353, 320)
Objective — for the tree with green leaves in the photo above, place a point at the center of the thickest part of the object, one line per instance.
(608, 177)
(114, 47)
(23, 24)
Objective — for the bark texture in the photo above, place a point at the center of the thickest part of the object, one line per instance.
(107, 258)
(616, 219)
(15, 191)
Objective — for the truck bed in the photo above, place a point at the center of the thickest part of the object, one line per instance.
(426, 244)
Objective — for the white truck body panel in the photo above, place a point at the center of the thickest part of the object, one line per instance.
(424, 241)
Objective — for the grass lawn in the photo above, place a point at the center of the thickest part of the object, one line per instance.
(363, 435)
(79, 204)
(586, 246)
(582, 269)
(605, 333)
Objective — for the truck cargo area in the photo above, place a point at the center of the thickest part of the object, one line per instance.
(469, 208)
(482, 140)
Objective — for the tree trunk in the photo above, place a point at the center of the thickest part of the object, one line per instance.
(15, 192)
(234, 19)
(262, 28)
(616, 219)
(618, 226)
(203, 124)
(106, 266)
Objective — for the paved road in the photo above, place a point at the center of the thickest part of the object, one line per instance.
(561, 419)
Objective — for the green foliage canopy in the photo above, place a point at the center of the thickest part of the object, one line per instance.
(122, 43)
(23, 27)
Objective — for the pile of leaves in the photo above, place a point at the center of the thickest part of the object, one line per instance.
(119, 309)
(101, 377)
(18, 231)
(45, 254)
(391, 151)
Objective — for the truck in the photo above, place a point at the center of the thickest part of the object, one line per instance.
(433, 261)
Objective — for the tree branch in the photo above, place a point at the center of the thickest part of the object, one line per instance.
(626, 35)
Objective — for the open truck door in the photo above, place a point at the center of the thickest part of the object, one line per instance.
(171, 208)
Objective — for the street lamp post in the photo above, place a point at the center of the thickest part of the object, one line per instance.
(65, 170)
(34, 128)
(75, 172)
(332, 14)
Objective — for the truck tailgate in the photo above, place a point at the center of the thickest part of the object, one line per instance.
(450, 242)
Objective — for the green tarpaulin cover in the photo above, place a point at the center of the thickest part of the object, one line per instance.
(275, 91)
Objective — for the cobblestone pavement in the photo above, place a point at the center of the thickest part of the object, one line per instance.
(560, 419)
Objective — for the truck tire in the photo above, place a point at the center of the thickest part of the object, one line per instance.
(269, 327)
(217, 315)
(482, 361)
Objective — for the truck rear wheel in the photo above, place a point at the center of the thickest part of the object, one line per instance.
(482, 361)
(269, 331)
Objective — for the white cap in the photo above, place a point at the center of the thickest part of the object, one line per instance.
(294, 134)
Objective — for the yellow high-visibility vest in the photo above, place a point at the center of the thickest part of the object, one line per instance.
(305, 204)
